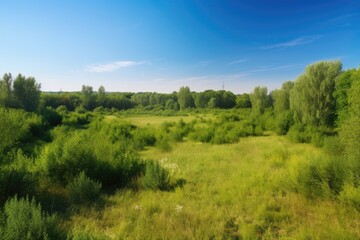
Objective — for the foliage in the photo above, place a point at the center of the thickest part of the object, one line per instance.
(156, 177)
(26, 93)
(185, 98)
(15, 178)
(83, 190)
(101, 152)
(24, 219)
(259, 100)
(311, 98)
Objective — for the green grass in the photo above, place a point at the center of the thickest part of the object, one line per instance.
(251, 184)
(146, 120)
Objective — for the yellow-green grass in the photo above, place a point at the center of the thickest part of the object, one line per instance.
(146, 120)
(252, 183)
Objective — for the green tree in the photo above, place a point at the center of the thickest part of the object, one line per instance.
(350, 128)
(101, 96)
(342, 85)
(26, 93)
(282, 97)
(185, 98)
(259, 99)
(6, 90)
(87, 97)
(243, 101)
(312, 98)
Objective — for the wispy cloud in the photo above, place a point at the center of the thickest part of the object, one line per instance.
(113, 66)
(340, 18)
(238, 61)
(293, 43)
(205, 63)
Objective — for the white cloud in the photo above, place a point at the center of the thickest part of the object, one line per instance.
(238, 61)
(293, 43)
(113, 66)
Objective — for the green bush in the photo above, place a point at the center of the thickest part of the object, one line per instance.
(85, 235)
(83, 190)
(15, 182)
(156, 177)
(16, 178)
(351, 195)
(24, 219)
(323, 178)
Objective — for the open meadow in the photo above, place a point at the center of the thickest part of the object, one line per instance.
(186, 165)
(244, 190)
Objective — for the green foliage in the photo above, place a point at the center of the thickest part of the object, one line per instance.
(243, 101)
(102, 152)
(15, 179)
(311, 98)
(83, 190)
(24, 219)
(13, 127)
(343, 84)
(51, 117)
(231, 230)
(18, 126)
(85, 235)
(156, 177)
(87, 97)
(350, 128)
(259, 100)
(323, 178)
(6, 91)
(26, 93)
(351, 195)
(185, 98)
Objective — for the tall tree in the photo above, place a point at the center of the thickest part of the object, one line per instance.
(26, 93)
(259, 100)
(342, 85)
(350, 127)
(312, 98)
(87, 97)
(6, 90)
(282, 97)
(185, 98)
(243, 101)
(101, 96)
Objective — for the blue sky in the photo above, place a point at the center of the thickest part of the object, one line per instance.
(161, 45)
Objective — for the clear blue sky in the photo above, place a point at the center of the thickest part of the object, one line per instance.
(161, 45)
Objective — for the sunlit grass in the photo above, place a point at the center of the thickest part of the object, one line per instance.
(252, 182)
(147, 120)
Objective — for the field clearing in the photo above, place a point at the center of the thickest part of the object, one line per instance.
(247, 189)
(146, 120)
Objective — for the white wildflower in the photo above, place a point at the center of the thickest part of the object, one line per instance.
(138, 207)
(178, 208)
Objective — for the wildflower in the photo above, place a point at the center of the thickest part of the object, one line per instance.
(178, 208)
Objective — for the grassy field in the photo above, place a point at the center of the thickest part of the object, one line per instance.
(245, 190)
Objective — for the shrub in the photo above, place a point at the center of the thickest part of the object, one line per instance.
(351, 195)
(85, 235)
(51, 117)
(83, 190)
(156, 177)
(323, 178)
(24, 219)
(15, 182)
(15, 178)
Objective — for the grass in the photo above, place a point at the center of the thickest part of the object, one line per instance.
(251, 184)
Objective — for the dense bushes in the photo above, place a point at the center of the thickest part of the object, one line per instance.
(83, 190)
(101, 156)
(156, 177)
(24, 219)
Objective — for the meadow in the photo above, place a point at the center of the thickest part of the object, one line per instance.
(186, 165)
(244, 190)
